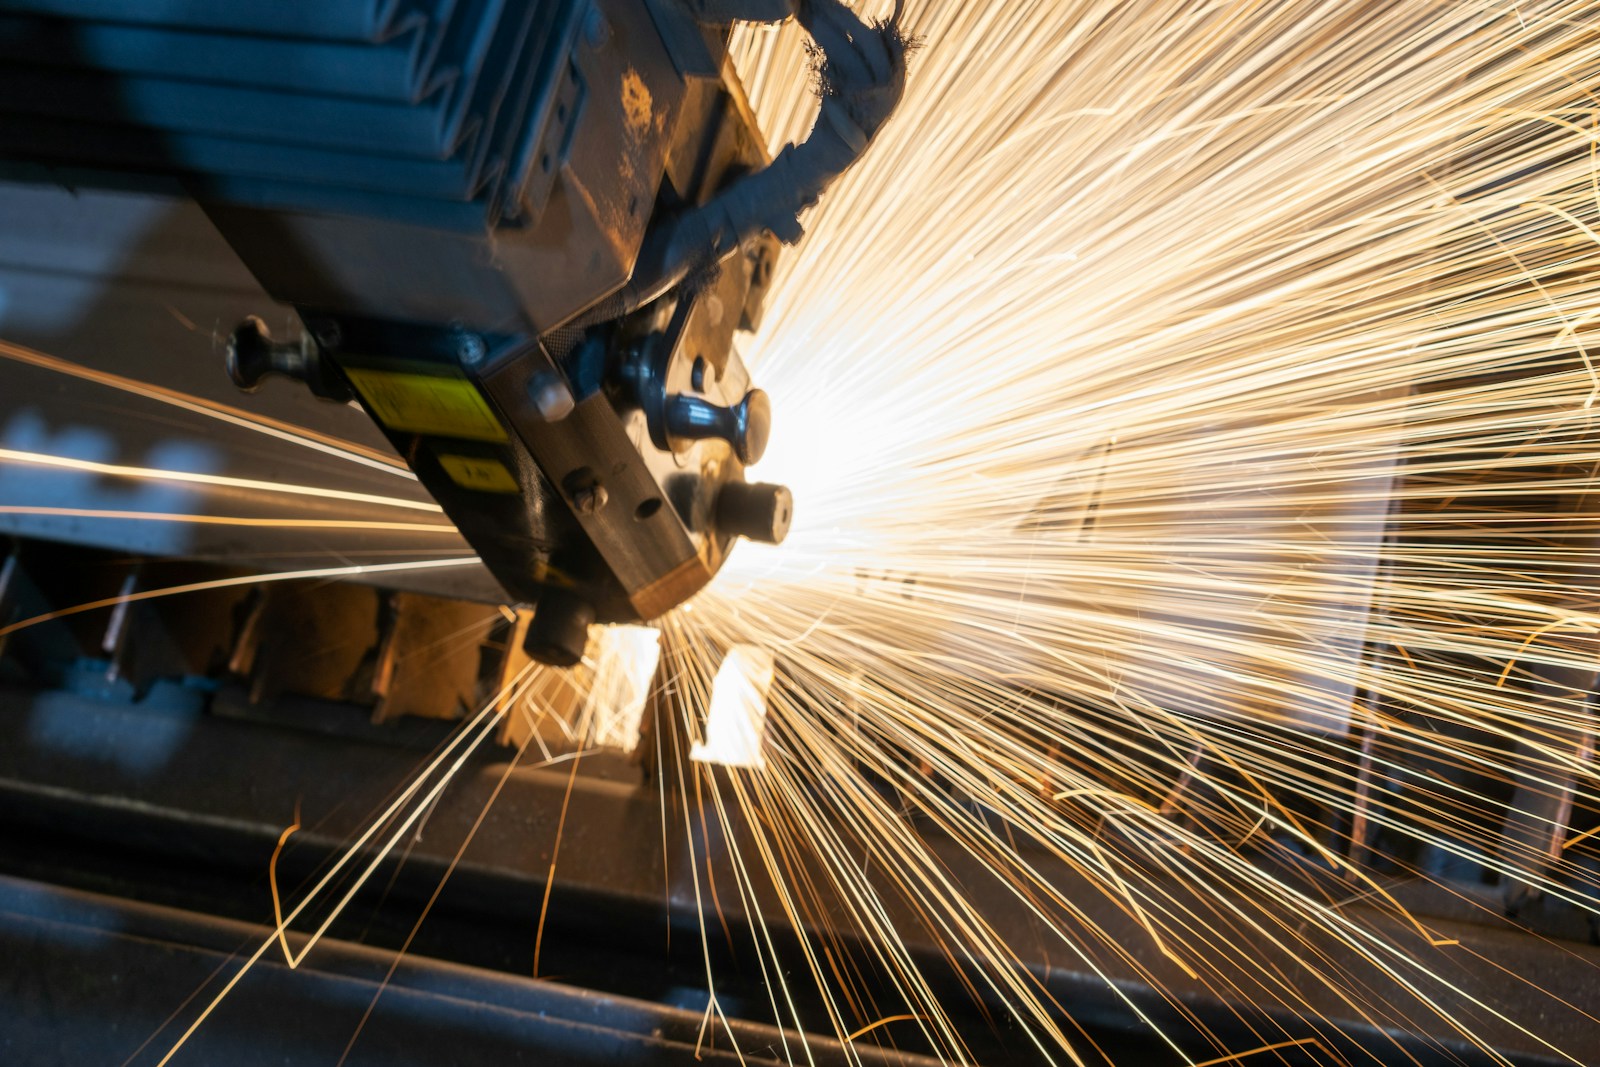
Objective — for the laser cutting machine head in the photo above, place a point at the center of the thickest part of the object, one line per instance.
(599, 474)
(522, 237)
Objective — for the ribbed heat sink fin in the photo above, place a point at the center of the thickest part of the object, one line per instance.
(427, 111)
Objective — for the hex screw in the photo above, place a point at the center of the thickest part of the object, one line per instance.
(590, 499)
(551, 397)
(470, 349)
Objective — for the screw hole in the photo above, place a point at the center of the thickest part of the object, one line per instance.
(544, 163)
(647, 508)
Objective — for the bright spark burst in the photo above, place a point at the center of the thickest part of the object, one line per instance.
(1189, 413)
(1175, 393)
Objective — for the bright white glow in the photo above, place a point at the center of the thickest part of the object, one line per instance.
(737, 723)
(625, 659)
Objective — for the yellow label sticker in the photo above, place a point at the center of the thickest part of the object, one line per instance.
(480, 473)
(427, 403)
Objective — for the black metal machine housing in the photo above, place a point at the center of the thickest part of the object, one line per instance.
(455, 199)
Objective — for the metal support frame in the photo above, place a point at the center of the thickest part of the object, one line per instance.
(107, 796)
(103, 975)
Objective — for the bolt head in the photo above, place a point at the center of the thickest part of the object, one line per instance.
(551, 397)
(590, 499)
(471, 349)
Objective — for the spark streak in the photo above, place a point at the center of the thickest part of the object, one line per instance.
(219, 481)
(1190, 409)
(223, 520)
(351, 571)
(210, 409)
(1220, 459)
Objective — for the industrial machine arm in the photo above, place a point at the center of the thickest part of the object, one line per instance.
(521, 236)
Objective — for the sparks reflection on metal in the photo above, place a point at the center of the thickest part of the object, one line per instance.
(625, 659)
(736, 719)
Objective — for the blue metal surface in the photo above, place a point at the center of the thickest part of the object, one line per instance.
(410, 110)
(354, 20)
